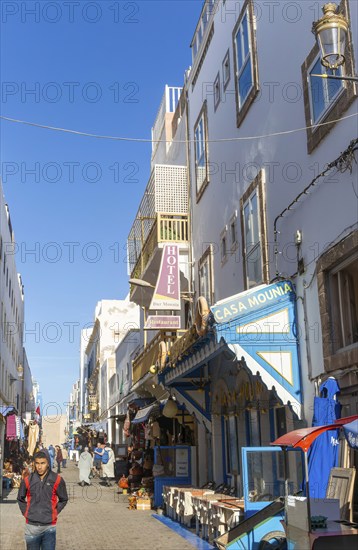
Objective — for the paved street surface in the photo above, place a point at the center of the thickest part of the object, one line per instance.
(95, 517)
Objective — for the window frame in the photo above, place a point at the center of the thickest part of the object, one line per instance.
(224, 248)
(225, 61)
(325, 84)
(207, 257)
(338, 107)
(338, 313)
(217, 86)
(203, 115)
(258, 186)
(338, 255)
(241, 110)
(234, 243)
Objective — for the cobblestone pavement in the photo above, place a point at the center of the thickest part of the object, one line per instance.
(95, 517)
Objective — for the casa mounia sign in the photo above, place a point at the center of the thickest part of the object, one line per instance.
(251, 301)
(261, 326)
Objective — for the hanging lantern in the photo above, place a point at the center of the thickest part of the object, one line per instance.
(170, 408)
(331, 33)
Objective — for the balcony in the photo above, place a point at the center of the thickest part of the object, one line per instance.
(161, 130)
(150, 354)
(162, 218)
(167, 228)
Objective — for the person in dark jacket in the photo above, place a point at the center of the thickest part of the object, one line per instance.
(59, 458)
(41, 497)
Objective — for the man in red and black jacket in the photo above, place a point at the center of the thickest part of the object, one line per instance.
(41, 497)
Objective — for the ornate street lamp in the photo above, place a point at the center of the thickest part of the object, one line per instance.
(331, 34)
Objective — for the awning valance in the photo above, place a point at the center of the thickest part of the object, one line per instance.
(7, 409)
(144, 414)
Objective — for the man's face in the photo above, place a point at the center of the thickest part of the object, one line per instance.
(41, 466)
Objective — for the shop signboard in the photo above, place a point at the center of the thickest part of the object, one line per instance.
(163, 322)
(182, 463)
(261, 326)
(167, 290)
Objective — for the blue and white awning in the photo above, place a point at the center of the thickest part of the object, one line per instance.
(260, 325)
(144, 414)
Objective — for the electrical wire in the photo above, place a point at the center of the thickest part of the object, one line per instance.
(143, 140)
(342, 163)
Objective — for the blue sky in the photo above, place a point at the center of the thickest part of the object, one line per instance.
(98, 67)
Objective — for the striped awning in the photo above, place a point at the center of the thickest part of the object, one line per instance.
(144, 414)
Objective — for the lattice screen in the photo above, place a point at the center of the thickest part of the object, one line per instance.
(171, 189)
(166, 192)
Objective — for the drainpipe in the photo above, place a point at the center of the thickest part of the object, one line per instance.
(190, 228)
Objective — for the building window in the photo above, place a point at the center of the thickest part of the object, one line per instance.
(337, 277)
(323, 92)
(244, 42)
(233, 233)
(343, 287)
(223, 247)
(207, 11)
(226, 70)
(206, 276)
(326, 100)
(217, 91)
(254, 241)
(201, 152)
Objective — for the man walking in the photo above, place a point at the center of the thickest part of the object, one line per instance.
(41, 497)
(52, 453)
(64, 457)
(108, 460)
(59, 458)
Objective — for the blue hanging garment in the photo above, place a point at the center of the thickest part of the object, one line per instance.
(323, 454)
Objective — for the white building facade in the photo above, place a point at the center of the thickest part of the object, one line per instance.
(113, 319)
(252, 221)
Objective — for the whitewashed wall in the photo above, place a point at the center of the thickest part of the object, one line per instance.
(284, 40)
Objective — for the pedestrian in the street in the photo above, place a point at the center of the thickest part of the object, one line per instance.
(108, 460)
(59, 458)
(97, 460)
(41, 497)
(52, 453)
(64, 457)
(85, 467)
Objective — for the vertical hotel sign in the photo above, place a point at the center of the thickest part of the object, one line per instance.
(167, 290)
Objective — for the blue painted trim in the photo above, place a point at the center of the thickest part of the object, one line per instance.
(192, 402)
(207, 398)
(223, 448)
(195, 541)
(272, 424)
(252, 506)
(272, 438)
(247, 428)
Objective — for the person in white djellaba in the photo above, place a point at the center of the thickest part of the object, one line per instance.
(85, 465)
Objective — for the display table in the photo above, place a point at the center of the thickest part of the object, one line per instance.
(213, 513)
(226, 514)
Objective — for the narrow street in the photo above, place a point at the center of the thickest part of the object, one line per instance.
(95, 517)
